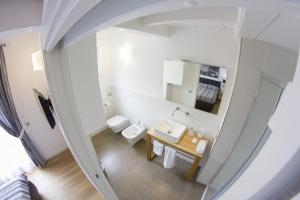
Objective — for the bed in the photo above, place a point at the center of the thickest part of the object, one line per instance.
(19, 188)
(207, 94)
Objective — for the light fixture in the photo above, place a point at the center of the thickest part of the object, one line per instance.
(37, 60)
(190, 3)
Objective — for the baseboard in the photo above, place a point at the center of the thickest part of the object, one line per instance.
(98, 131)
(63, 148)
(57, 151)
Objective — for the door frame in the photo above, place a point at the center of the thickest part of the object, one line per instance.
(68, 119)
(261, 142)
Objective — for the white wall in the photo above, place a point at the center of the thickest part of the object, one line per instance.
(83, 69)
(280, 148)
(22, 80)
(285, 184)
(103, 56)
(276, 63)
(138, 81)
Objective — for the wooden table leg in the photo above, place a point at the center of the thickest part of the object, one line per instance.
(150, 154)
(193, 169)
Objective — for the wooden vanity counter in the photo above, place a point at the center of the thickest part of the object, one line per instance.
(185, 145)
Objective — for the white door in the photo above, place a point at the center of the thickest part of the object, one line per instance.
(264, 105)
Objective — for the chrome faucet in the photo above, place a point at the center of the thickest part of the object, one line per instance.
(186, 115)
(140, 124)
(175, 110)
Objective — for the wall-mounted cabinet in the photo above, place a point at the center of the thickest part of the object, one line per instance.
(173, 72)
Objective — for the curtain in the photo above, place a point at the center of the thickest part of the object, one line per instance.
(9, 119)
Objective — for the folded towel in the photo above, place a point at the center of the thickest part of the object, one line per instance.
(169, 159)
(200, 148)
(158, 148)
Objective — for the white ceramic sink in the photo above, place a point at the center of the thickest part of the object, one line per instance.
(169, 130)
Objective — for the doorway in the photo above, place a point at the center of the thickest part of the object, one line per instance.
(253, 136)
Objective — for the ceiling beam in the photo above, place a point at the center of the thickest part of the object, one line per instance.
(240, 18)
(57, 22)
(203, 13)
(136, 25)
(255, 22)
(114, 12)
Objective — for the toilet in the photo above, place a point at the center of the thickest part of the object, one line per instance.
(134, 133)
(117, 123)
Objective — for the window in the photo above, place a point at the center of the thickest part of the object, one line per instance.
(13, 157)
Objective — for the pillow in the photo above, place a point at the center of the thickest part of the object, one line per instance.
(208, 86)
(16, 188)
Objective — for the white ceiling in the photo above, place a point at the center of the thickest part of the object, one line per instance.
(283, 31)
(112, 12)
(268, 26)
(20, 14)
(277, 22)
(208, 17)
(198, 23)
(272, 27)
(224, 14)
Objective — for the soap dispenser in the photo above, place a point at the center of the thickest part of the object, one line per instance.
(191, 131)
(202, 132)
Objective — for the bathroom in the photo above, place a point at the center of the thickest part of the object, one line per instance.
(116, 68)
(131, 64)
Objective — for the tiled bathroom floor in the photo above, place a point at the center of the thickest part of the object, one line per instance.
(133, 177)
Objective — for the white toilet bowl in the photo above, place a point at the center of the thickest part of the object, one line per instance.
(117, 123)
(134, 132)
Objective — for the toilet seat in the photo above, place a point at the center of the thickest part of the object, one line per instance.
(134, 133)
(130, 132)
(118, 123)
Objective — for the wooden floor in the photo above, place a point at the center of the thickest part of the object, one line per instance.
(133, 177)
(62, 179)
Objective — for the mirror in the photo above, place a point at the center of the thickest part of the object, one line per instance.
(195, 85)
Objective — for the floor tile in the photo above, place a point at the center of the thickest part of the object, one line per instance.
(132, 176)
